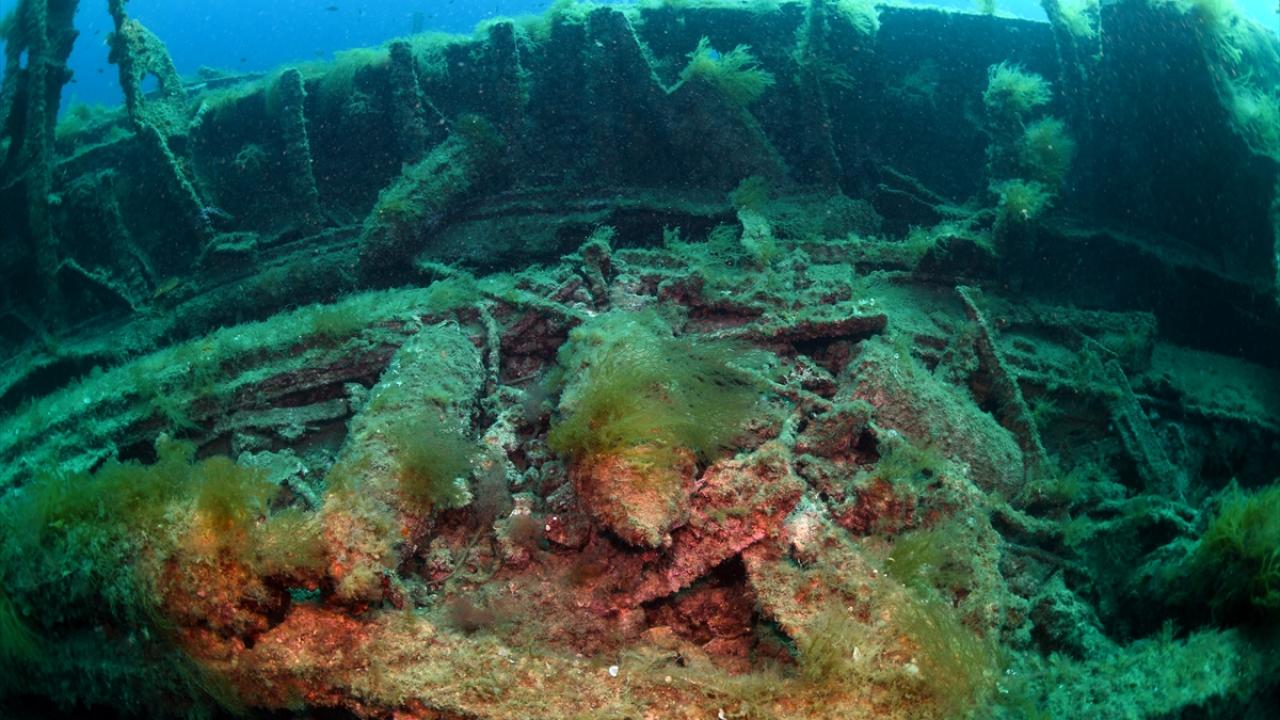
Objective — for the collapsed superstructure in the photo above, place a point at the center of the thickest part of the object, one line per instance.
(802, 359)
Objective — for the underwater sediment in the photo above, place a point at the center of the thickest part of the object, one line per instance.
(681, 360)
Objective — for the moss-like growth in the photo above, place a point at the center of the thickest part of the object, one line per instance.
(862, 14)
(1238, 558)
(336, 91)
(1256, 114)
(120, 498)
(451, 293)
(735, 73)
(1027, 159)
(1214, 17)
(835, 647)
(751, 194)
(18, 643)
(334, 322)
(1046, 150)
(641, 407)
(288, 544)
(229, 496)
(956, 667)
(638, 385)
(904, 461)
(1013, 92)
(1081, 18)
(426, 185)
(78, 119)
(918, 557)
(432, 465)
(1086, 481)
(115, 535)
(932, 559)
(124, 501)
(757, 239)
(1020, 201)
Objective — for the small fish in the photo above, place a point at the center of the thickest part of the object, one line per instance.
(331, 8)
